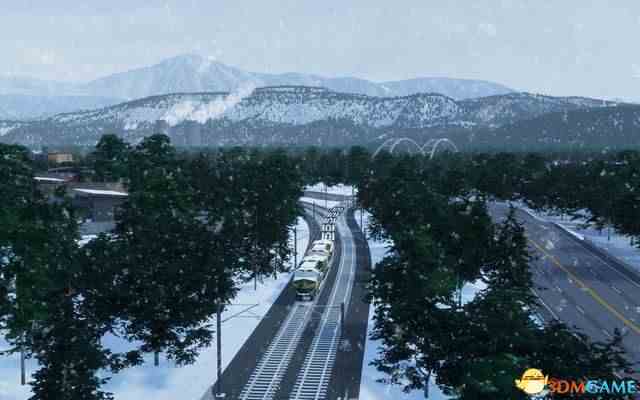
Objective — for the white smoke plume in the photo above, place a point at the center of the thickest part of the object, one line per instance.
(190, 110)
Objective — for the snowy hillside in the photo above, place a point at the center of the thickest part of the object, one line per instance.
(295, 115)
(285, 104)
(8, 126)
(508, 108)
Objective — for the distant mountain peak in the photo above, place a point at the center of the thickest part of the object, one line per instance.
(193, 72)
(196, 61)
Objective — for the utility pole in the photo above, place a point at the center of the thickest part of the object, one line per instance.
(325, 196)
(219, 393)
(342, 319)
(459, 284)
(254, 255)
(295, 247)
(217, 388)
(23, 375)
(364, 231)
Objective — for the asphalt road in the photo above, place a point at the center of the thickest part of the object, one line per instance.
(581, 286)
(578, 284)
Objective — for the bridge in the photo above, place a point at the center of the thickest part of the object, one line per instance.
(428, 149)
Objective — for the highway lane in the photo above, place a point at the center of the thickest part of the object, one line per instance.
(578, 286)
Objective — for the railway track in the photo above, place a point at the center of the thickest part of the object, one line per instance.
(313, 379)
(265, 379)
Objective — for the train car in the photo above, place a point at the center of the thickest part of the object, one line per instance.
(307, 280)
(321, 259)
(322, 246)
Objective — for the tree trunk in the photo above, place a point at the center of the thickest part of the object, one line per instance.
(426, 385)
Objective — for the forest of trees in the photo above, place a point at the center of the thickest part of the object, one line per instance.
(434, 212)
(603, 187)
(195, 224)
(191, 229)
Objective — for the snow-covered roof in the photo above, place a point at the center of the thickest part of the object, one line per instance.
(321, 247)
(100, 192)
(316, 257)
(47, 179)
(307, 264)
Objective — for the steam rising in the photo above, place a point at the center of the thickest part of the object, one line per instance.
(189, 110)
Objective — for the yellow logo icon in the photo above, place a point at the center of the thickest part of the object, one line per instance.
(532, 381)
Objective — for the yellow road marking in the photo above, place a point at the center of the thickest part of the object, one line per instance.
(591, 292)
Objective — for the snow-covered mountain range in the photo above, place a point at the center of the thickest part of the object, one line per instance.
(289, 115)
(193, 73)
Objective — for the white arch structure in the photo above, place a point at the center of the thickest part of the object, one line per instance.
(435, 143)
(429, 148)
(407, 140)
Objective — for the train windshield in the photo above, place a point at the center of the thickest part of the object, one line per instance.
(306, 275)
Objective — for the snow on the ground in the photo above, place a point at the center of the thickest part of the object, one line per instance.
(320, 202)
(608, 239)
(370, 389)
(471, 289)
(10, 388)
(167, 381)
(346, 190)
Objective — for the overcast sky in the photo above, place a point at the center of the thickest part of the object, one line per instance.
(563, 47)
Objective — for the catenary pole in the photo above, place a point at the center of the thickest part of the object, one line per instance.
(219, 349)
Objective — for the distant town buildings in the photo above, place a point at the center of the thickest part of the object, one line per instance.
(59, 157)
(95, 203)
(98, 205)
(48, 184)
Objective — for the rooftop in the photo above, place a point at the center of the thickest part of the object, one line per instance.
(48, 179)
(99, 192)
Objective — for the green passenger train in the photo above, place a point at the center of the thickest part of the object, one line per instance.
(309, 276)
